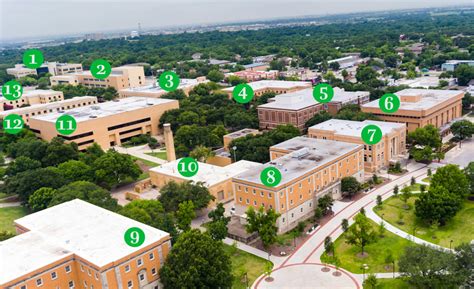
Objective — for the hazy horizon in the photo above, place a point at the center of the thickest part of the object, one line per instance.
(23, 19)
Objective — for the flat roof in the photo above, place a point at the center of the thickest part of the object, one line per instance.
(49, 105)
(429, 98)
(354, 128)
(241, 133)
(282, 84)
(304, 98)
(108, 108)
(184, 83)
(256, 64)
(306, 155)
(207, 173)
(424, 81)
(34, 92)
(74, 227)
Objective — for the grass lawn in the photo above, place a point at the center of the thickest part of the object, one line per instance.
(386, 283)
(244, 262)
(377, 252)
(459, 229)
(3, 195)
(161, 155)
(427, 180)
(8, 215)
(416, 187)
(145, 162)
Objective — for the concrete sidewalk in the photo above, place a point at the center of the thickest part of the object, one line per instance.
(140, 152)
(276, 260)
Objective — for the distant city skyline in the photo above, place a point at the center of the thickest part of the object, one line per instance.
(44, 18)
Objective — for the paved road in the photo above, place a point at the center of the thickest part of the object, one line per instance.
(140, 152)
(310, 251)
(461, 155)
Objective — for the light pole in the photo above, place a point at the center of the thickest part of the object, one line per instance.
(364, 268)
(234, 148)
(382, 216)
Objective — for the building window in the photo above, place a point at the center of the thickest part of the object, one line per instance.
(82, 268)
(127, 268)
(54, 275)
(240, 199)
(254, 192)
(139, 262)
(239, 188)
(130, 284)
(269, 195)
(96, 276)
(152, 256)
(300, 185)
(247, 201)
(68, 269)
(291, 202)
(153, 271)
(88, 271)
(71, 284)
(141, 277)
(39, 282)
(292, 215)
(283, 220)
(255, 203)
(23, 287)
(85, 284)
(282, 206)
(246, 190)
(301, 210)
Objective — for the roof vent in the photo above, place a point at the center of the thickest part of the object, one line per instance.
(299, 154)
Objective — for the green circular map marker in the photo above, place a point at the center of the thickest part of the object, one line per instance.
(371, 134)
(188, 167)
(134, 237)
(100, 68)
(323, 93)
(66, 124)
(33, 58)
(12, 90)
(168, 81)
(270, 177)
(389, 103)
(13, 123)
(243, 93)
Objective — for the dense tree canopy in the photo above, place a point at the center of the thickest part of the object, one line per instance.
(172, 194)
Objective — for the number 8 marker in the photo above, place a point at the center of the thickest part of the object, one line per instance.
(243, 93)
(389, 103)
(270, 177)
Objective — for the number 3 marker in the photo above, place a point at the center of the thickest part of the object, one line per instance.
(169, 81)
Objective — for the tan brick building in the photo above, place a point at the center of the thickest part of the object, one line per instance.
(79, 245)
(155, 90)
(120, 78)
(276, 86)
(310, 168)
(217, 179)
(32, 97)
(420, 107)
(390, 149)
(45, 108)
(109, 123)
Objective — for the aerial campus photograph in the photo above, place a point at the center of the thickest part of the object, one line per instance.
(248, 144)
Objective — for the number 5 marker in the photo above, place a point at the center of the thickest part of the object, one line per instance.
(323, 93)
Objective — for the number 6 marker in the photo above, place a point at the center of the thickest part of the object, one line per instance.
(389, 103)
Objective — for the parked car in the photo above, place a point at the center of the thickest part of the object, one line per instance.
(312, 229)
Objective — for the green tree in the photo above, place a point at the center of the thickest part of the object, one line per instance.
(26, 183)
(345, 224)
(201, 153)
(5, 235)
(428, 268)
(113, 168)
(215, 75)
(437, 205)
(350, 186)
(395, 190)
(41, 199)
(74, 170)
(452, 178)
(218, 226)
(58, 152)
(22, 164)
(318, 118)
(85, 191)
(365, 73)
(325, 203)
(91, 154)
(264, 223)
(185, 215)
(462, 129)
(197, 261)
(370, 282)
(464, 73)
(361, 233)
(405, 196)
(328, 245)
(172, 194)
(469, 172)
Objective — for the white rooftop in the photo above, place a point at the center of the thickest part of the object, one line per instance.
(108, 108)
(306, 155)
(424, 81)
(184, 83)
(74, 227)
(354, 128)
(304, 98)
(276, 84)
(241, 133)
(207, 173)
(429, 98)
(49, 105)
